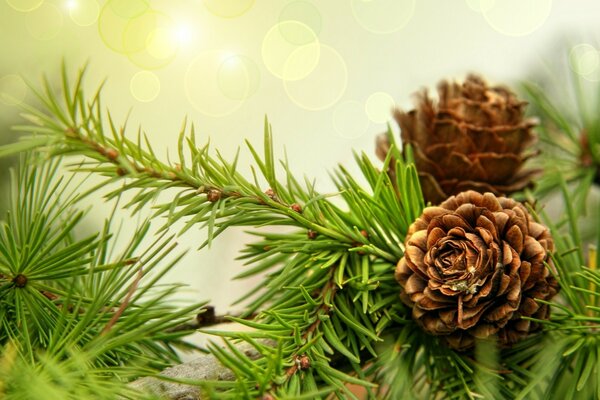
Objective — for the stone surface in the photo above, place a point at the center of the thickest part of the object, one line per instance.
(203, 368)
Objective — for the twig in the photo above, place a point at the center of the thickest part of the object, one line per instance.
(125, 303)
(209, 318)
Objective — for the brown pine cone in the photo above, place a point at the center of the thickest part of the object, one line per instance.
(473, 266)
(474, 138)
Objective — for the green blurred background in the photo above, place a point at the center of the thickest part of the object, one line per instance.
(326, 73)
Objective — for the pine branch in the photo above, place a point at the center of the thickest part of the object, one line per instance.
(58, 293)
(326, 313)
(316, 275)
(576, 319)
(56, 377)
(566, 102)
(212, 192)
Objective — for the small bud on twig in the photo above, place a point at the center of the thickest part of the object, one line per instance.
(20, 281)
(303, 362)
(111, 154)
(49, 295)
(296, 207)
(213, 195)
(71, 132)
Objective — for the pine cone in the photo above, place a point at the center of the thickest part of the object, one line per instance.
(473, 266)
(474, 138)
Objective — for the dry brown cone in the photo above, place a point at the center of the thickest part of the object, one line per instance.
(474, 266)
(474, 138)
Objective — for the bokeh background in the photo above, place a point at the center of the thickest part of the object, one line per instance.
(326, 73)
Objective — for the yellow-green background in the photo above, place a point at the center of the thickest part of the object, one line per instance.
(326, 73)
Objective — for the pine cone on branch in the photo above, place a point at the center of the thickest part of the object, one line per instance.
(473, 266)
(474, 138)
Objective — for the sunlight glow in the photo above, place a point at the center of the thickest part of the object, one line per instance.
(71, 4)
(184, 34)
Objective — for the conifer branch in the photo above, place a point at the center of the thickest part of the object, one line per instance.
(326, 312)
(59, 293)
(317, 275)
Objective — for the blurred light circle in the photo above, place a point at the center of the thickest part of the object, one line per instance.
(479, 6)
(228, 8)
(139, 31)
(144, 86)
(149, 40)
(24, 5)
(379, 107)
(383, 16)
(516, 17)
(111, 26)
(160, 43)
(84, 12)
(350, 120)
(45, 22)
(324, 86)
(303, 12)
(202, 85)
(128, 8)
(12, 89)
(584, 59)
(238, 77)
(114, 18)
(296, 33)
(285, 58)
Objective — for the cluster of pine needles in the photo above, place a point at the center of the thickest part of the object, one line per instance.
(80, 317)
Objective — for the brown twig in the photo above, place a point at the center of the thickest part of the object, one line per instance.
(125, 303)
(172, 174)
(208, 318)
